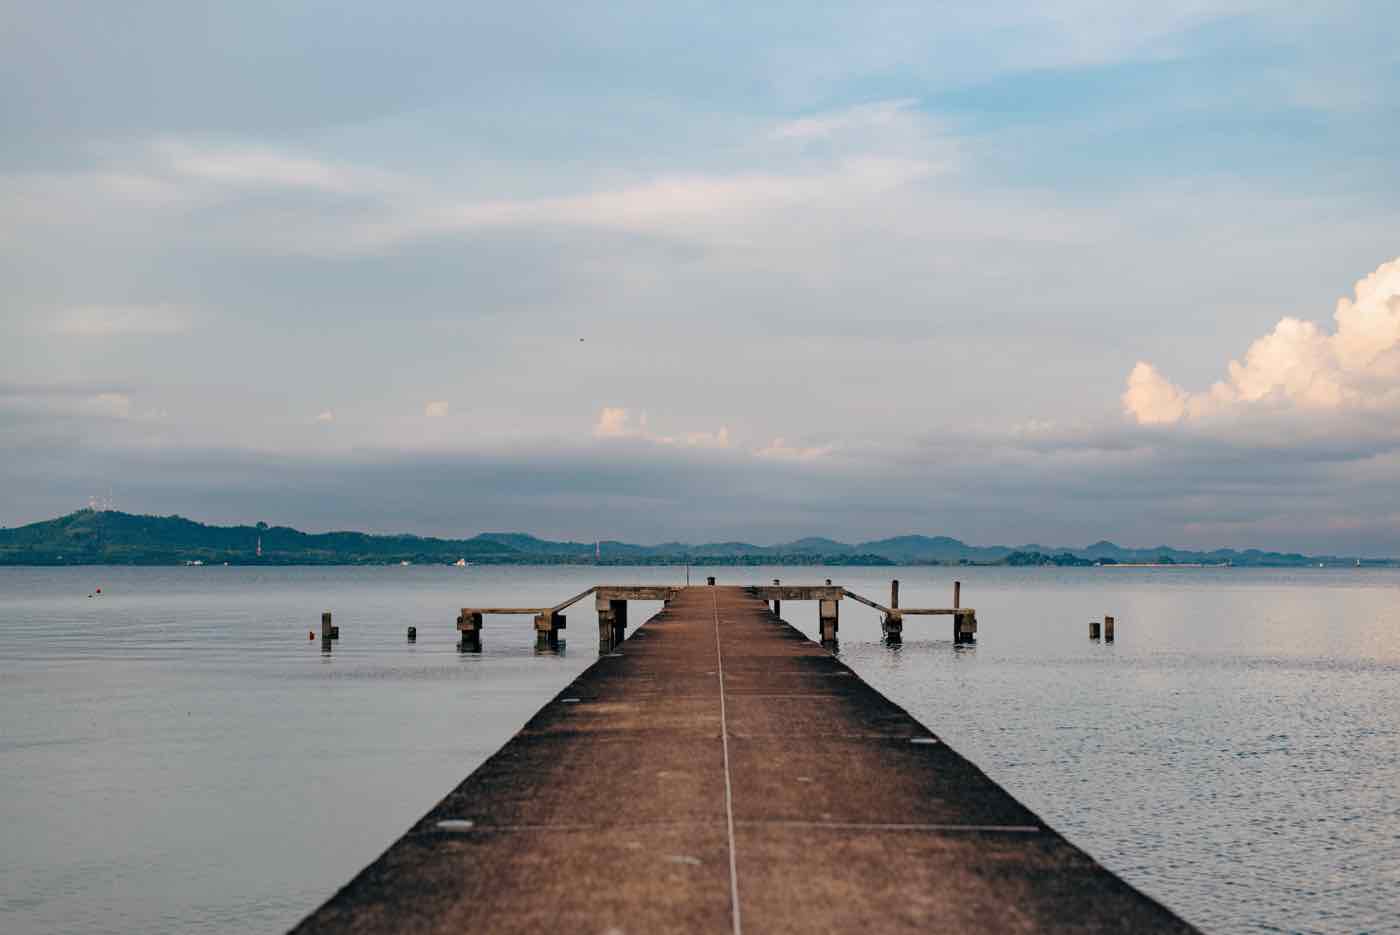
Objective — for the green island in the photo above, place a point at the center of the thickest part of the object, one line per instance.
(110, 537)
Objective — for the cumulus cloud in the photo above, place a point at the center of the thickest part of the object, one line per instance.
(1298, 367)
(111, 405)
(105, 321)
(779, 449)
(616, 422)
(436, 409)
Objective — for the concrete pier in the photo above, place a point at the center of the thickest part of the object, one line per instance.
(719, 772)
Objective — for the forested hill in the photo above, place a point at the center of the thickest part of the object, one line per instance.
(111, 537)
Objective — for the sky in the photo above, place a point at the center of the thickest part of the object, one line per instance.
(708, 271)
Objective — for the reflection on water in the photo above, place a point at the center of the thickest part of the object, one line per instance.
(177, 756)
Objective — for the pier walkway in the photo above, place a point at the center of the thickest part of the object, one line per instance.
(719, 772)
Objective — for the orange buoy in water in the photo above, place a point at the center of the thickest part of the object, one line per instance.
(310, 634)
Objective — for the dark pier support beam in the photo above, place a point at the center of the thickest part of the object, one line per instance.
(469, 625)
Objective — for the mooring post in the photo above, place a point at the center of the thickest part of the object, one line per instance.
(894, 593)
(326, 625)
(827, 611)
(1108, 629)
(777, 604)
(957, 594)
(547, 627)
(1093, 629)
(413, 634)
(469, 623)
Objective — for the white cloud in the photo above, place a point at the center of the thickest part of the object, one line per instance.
(779, 449)
(252, 166)
(864, 117)
(436, 409)
(111, 405)
(612, 423)
(616, 422)
(105, 321)
(1298, 367)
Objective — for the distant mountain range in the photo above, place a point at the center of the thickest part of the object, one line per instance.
(115, 538)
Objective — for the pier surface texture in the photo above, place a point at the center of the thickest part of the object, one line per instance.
(723, 773)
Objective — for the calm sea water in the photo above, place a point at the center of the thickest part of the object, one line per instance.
(176, 756)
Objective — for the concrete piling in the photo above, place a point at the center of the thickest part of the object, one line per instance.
(827, 613)
(612, 622)
(547, 627)
(964, 626)
(469, 624)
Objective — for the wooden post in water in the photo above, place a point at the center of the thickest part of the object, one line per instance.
(957, 594)
(326, 625)
(894, 593)
(413, 634)
(777, 604)
(1108, 629)
(1093, 629)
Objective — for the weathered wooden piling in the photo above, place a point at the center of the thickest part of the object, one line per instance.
(413, 634)
(894, 593)
(1093, 629)
(957, 594)
(328, 632)
(710, 581)
(777, 603)
(661, 791)
(1108, 629)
